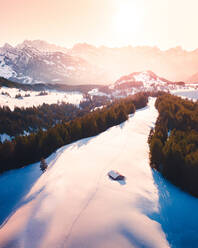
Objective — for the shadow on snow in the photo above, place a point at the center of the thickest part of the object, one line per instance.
(16, 184)
(177, 213)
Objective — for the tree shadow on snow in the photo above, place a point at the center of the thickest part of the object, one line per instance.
(122, 124)
(132, 238)
(83, 142)
(31, 236)
(177, 213)
(22, 203)
(14, 186)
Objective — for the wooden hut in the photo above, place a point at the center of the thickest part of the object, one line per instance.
(115, 175)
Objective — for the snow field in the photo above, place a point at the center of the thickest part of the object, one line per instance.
(74, 204)
(77, 205)
(35, 100)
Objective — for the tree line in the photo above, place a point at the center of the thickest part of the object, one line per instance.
(31, 119)
(174, 142)
(24, 150)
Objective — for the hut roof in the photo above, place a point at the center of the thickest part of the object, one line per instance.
(114, 174)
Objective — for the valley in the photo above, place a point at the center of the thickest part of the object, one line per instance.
(75, 193)
(90, 205)
(98, 124)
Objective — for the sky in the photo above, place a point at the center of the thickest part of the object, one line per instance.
(113, 23)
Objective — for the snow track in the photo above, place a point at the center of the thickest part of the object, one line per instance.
(75, 204)
(92, 196)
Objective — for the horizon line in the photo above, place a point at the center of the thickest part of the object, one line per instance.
(100, 46)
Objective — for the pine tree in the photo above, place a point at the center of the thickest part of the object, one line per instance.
(43, 165)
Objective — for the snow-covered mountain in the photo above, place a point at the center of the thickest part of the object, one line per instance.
(175, 64)
(42, 46)
(143, 81)
(139, 82)
(146, 79)
(27, 64)
(74, 204)
(85, 63)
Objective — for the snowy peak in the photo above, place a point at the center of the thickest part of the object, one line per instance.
(7, 46)
(27, 64)
(12, 52)
(138, 79)
(42, 46)
(143, 81)
(31, 51)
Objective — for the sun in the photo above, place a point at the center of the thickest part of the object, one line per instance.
(128, 18)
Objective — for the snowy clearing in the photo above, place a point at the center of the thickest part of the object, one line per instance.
(189, 93)
(8, 97)
(74, 204)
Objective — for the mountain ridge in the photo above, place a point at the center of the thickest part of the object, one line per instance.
(30, 65)
(85, 63)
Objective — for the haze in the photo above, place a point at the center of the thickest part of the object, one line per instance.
(111, 23)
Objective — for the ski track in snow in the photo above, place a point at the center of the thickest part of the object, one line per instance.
(74, 204)
(64, 243)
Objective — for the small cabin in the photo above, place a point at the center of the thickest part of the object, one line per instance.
(115, 175)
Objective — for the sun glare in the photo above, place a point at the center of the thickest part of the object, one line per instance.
(127, 19)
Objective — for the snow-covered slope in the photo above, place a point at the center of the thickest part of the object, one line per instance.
(75, 204)
(188, 93)
(35, 98)
(145, 80)
(42, 46)
(27, 64)
(140, 82)
(148, 79)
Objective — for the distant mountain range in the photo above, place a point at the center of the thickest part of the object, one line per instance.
(40, 62)
(29, 65)
(141, 81)
(174, 64)
(42, 46)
